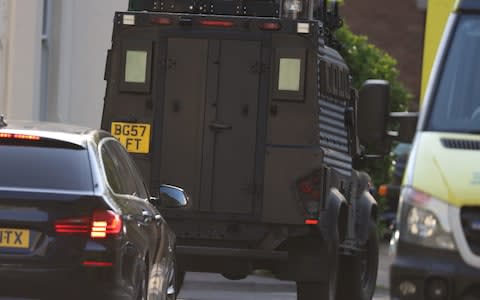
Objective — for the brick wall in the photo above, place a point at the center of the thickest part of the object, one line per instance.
(397, 26)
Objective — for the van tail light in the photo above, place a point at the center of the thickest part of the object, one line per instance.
(270, 26)
(101, 224)
(309, 193)
(216, 23)
(161, 20)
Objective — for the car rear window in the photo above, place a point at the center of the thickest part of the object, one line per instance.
(59, 168)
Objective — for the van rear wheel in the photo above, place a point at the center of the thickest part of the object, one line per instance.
(359, 272)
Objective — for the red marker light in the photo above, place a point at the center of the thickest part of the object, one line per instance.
(161, 20)
(19, 136)
(306, 187)
(216, 23)
(311, 221)
(26, 137)
(270, 26)
(97, 264)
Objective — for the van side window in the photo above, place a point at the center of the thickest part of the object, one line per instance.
(136, 66)
(289, 74)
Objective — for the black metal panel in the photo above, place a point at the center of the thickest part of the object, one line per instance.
(470, 217)
(183, 115)
(234, 127)
(283, 167)
(334, 135)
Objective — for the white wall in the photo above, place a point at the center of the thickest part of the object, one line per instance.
(3, 52)
(21, 87)
(78, 58)
(77, 39)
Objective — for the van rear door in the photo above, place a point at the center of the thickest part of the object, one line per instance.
(209, 132)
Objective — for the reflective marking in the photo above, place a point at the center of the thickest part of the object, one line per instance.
(128, 20)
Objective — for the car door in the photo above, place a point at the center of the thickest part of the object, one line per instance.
(131, 195)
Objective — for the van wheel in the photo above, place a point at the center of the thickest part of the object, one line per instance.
(323, 290)
(359, 272)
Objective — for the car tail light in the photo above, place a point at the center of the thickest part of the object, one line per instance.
(19, 136)
(105, 222)
(89, 263)
(73, 225)
(101, 224)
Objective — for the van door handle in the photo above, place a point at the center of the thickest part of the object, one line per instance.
(220, 126)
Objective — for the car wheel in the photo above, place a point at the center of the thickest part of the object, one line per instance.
(359, 272)
(142, 286)
(172, 289)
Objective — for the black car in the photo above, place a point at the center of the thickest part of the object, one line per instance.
(76, 220)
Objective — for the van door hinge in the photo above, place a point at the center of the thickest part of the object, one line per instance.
(258, 68)
(171, 63)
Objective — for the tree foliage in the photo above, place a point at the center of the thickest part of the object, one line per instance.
(367, 61)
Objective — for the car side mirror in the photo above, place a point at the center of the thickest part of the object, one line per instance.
(373, 113)
(170, 197)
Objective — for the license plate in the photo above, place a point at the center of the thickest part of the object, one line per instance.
(135, 137)
(14, 238)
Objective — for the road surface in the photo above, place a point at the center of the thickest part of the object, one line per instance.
(203, 286)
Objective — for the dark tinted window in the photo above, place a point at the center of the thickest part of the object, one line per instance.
(457, 101)
(121, 172)
(45, 168)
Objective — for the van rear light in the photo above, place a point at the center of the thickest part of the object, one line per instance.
(103, 223)
(161, 20)
(270, 26)
(216, 23)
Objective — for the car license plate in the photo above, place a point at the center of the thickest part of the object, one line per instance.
(14, 238)
(135, 137)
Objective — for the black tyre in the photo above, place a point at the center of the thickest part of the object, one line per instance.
(323, 290)
(172, 289)
(142, 283)
(179, 279)
(359, 273)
